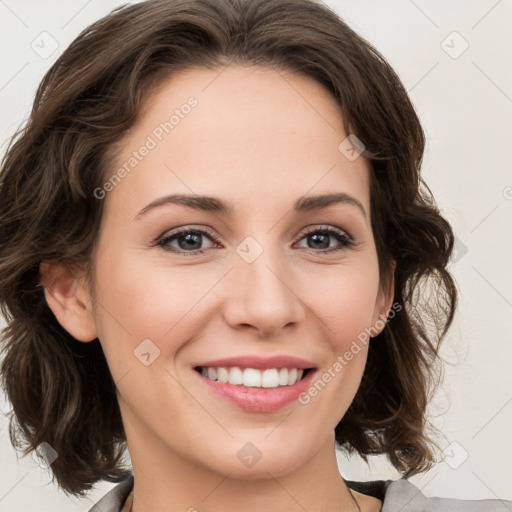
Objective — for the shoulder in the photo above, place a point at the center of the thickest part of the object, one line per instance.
(401, 495)
(396, 495)
(114, 500)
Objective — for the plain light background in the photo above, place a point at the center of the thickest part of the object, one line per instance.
(454, 59)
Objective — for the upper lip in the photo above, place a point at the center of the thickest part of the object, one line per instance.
(259, 362)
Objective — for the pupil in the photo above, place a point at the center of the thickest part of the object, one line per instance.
(315, 238)
(190, 238)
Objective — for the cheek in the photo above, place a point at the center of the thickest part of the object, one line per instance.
(138, 301)
(344, 299)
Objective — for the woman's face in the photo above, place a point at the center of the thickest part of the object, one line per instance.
(258, 141)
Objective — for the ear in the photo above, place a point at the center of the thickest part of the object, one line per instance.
(69, 299)
(383, 305)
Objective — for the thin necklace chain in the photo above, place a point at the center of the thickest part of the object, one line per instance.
(351, 494)
(349, 490)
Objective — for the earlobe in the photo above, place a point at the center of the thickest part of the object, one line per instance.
(69, 300)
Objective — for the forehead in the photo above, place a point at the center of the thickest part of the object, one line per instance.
(248, 134)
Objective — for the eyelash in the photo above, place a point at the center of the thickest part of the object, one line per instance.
(342, 237)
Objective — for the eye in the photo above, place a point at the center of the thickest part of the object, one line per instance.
(320, 239)
(189, 241)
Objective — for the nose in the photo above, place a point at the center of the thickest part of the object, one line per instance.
(262, 296)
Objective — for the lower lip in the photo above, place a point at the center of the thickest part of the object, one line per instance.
(258, 399)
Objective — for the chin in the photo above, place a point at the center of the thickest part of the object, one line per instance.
(248, 460)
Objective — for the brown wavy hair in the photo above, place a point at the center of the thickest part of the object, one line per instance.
(61, 390)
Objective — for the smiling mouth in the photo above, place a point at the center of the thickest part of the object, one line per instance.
(254, 378)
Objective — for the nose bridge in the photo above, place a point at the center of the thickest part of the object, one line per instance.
(263, 295)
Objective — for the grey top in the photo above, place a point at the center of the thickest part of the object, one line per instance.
(396, 496)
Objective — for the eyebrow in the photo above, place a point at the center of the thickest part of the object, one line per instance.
(216, 205)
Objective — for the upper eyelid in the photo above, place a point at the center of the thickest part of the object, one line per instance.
(209, 231)
(319, 227)
(188, 228)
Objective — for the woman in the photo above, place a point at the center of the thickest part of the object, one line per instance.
(214, 241)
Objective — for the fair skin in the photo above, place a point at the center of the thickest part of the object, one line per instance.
(259, 139)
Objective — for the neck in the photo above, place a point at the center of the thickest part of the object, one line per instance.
(165, 481)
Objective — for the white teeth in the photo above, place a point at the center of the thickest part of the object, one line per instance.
(235, 376)
(254, 378)
(269, 379)
(292, 376)
(222, 374)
